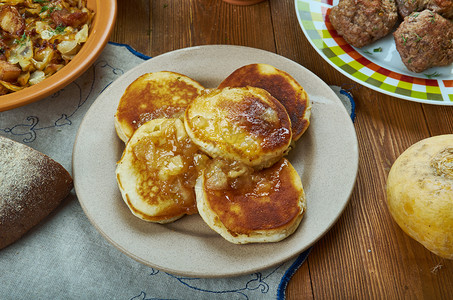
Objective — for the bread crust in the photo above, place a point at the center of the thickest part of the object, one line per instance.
(32, 185)
(420, 193)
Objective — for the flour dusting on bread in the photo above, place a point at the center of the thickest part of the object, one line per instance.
(31, 186)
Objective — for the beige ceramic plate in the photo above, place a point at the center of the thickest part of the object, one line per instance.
(104, 19)
(326, 158)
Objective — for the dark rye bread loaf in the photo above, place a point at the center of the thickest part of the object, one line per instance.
(31, 186)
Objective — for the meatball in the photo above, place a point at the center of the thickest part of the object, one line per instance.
(442, 7)
(423, 40)
(406, 7)
(362, 22)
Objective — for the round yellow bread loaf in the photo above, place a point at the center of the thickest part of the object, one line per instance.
(420, 193)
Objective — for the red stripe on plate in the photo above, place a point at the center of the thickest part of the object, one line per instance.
(407, 78)
(419, 81)
(431, 82)
(448, 83)
(364, 61)
(383, 71)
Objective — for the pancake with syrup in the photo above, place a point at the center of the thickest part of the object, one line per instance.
(245, 124)
(157, 171)
(248, 206)
(154, 95)
(279, 84)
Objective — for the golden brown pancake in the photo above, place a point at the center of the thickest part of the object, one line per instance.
(157, 171)
(243, 124)
(154, 95)
(251, 207)
(279, 84)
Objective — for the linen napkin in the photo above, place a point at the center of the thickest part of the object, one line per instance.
(65, 257)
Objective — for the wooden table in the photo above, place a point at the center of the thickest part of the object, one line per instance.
(365, 255)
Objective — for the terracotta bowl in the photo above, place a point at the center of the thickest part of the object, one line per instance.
(104, 20)
(243, 2)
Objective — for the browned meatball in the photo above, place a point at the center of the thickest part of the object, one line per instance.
(406, 7)
(442, 7)
(362, 22)
(423, 40)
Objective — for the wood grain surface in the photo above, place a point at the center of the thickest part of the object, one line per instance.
(365, 255)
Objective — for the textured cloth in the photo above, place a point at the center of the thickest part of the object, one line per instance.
(64, 257)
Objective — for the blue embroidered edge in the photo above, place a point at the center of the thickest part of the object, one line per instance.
(132, 50)
(347, 94)
(290, 272)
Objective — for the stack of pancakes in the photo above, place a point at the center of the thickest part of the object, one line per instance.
(219, 152)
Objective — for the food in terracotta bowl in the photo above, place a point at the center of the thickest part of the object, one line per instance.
(46, 44)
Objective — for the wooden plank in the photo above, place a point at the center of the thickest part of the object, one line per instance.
(170, 26)
(181, 24)
(366, 254)
(132, 25)
(439, 119)
(215, 22)
(299, 286)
